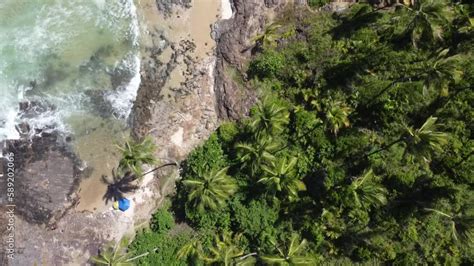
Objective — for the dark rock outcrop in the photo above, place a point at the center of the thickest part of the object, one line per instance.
(233, 38)
(46, 176)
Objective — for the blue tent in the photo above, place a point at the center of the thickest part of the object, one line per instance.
(124, 204)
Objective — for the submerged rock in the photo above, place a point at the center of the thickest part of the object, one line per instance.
(166, 6)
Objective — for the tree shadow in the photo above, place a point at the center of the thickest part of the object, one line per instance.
(118, 186)
(355, 20)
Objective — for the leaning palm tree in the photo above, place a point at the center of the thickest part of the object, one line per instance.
(118, 185)
(293, 254)
(426, 19)
(442, 70)
(268, 38)
(461, 225)
(253, 156)
(422, 142)
(210, 190)
(135, 155)
(366, 191)
(337, 115)
(268, 119)
(281, 177)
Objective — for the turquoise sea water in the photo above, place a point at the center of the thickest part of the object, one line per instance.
(70, 59)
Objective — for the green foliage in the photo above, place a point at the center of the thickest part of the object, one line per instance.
(268, 119)
(293, 253)
(360, 150)
(254, 155)
(317, 3)
(367, 191)
(256, 220)
(205, 158)
(268, 65)
(209, 191)
(136, 154)
(280, 178)
(162, 221)
(425, 21)
(113, 255)
(162, 247)
(228, 132)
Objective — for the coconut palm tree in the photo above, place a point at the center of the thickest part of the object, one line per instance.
(116, 255)
(461, 225)
(426, 19)
(118, 185)
(292, 254)
(281, 177)
(192, 248)
(366, 191)
(337, 115)
(135, 155)
(268, 38)
(268, 119)
(210, 190)
(112, 256)
(442, 70)
(224, 250)
(253, 156)
(422, 142)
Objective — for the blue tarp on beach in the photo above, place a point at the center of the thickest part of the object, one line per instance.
(124, 204)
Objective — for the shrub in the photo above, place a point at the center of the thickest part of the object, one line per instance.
(166, 248)
(256, 220)
(205, 158)
(162, 221)
(228, 131)
(267, 65)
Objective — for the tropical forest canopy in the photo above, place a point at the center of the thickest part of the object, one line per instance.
(360, 150)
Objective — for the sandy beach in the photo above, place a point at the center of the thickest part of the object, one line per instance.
(193, 24)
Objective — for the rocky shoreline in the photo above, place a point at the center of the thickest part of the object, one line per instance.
(178, 112)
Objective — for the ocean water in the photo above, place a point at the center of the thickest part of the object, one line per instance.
(66, 62)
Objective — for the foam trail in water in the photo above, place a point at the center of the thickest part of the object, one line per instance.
(122, 99)
(64, 48)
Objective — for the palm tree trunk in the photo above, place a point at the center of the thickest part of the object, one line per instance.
(385, 147)
(142, 255)
(385, 90)
(439, 212)
(246, 256)
(159, 167)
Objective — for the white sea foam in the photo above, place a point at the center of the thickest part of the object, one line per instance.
(122, 99)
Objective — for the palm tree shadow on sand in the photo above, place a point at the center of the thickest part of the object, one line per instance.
(118, 186)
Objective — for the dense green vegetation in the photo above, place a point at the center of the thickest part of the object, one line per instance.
(360, 150)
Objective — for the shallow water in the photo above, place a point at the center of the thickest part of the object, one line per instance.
(71, 59)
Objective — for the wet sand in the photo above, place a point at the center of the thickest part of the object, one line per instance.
(96, 146)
